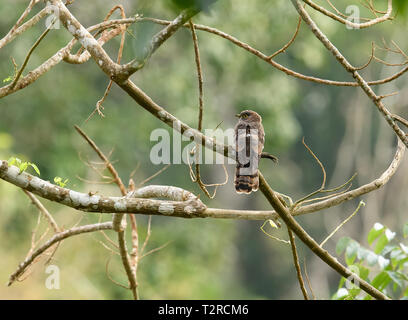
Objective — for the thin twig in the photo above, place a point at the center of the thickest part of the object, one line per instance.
(287, 45)
(35, 45)
(271, 236)
(308, 280)
(118, 217)
(43, 210)
(296, 263)
(55, 239)
(342, 224)
(153, 175)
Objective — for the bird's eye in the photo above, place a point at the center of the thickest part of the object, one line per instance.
(244, 116)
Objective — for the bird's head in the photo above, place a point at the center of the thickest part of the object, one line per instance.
(249, 116)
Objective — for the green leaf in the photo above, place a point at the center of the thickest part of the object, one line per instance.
(341, 283)
(342, 244)
(396, 278)
(383, 262)
(351, 252)
(381, 243)
(341, 294)
(271, 222)
(364, 272)
(35, 168)
(389, 248)
(402, 275)
(381, 280)
(23, 167)
(58, 181)
(375, 232)
(353, 293)
(396, 256)
(362, 253)
(371, 259)
(13, 161)
(9, 78)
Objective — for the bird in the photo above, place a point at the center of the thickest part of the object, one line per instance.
(249, 143)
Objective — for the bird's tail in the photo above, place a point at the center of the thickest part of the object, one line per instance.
(246, 183)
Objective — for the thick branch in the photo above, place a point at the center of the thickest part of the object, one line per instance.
(110, 67)
(90, 202)
(147, 103)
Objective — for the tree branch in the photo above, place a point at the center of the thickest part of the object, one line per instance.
(352, 70)
(55, 239)
(385, 17)
(275, 64)
(159, 39)
(91, 202)
(285, 215)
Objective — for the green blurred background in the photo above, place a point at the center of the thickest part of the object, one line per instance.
(206, 258)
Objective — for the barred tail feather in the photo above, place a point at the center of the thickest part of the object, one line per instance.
(246, 184)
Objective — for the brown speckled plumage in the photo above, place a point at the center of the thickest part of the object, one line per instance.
(249, 141)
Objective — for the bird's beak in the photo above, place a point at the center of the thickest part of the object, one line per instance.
(237, 115)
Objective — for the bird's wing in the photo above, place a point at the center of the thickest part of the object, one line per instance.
(261, 138)
(240, 137)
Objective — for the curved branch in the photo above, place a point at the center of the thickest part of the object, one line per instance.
(16, 30)
(55, 239)
(87, 40)
(364, 189)
(352, 70)
(289, 43)
(385, 17)
(63, 54)
(276, 65)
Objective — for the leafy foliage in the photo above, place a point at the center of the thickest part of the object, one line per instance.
(59, 181)
(9, 78)
(384, 265)
(23, 165)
